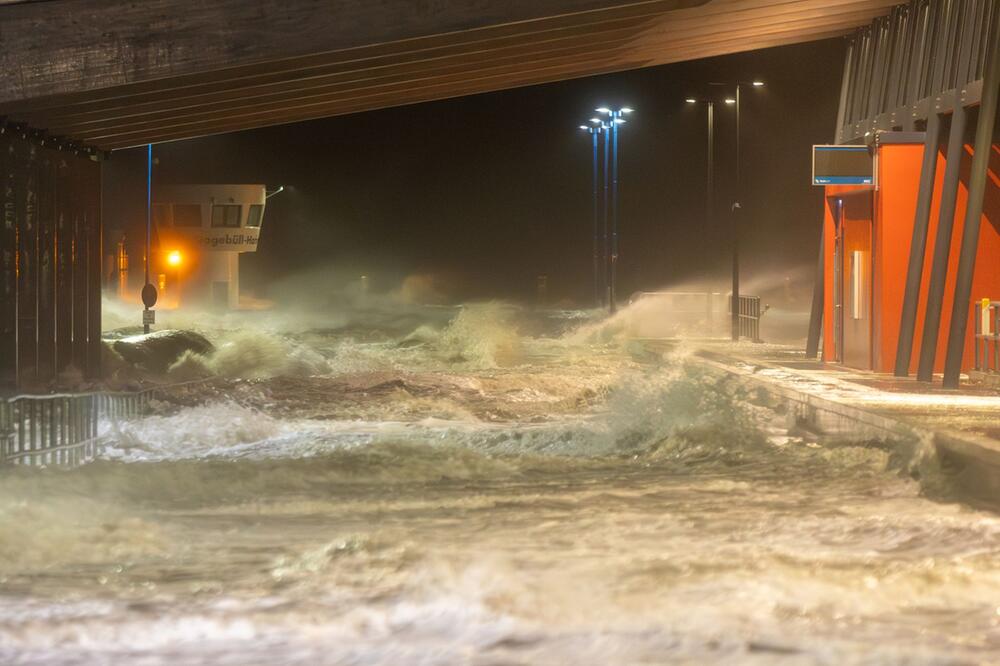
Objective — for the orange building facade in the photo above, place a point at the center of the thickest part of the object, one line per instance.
(867, 232)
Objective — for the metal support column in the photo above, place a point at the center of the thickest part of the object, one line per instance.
(613, 282)
(735, 211)
(594, 131)
(974, 208)
(710, 175)
(918, 246)
(942, 244)
(149, 223)
(606, 256)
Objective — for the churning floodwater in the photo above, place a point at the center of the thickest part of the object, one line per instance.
(483, 485)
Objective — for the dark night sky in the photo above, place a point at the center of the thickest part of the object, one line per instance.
(491, 190)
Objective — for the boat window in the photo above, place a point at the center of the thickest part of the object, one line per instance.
(255, 215)
(226, 215)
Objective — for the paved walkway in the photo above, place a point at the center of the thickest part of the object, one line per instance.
(972, 409)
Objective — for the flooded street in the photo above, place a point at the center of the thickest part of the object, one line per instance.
(484, 485)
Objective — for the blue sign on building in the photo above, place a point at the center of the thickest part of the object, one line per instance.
(843, 165)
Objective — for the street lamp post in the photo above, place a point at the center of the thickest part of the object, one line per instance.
(735, 210)
(736, 228)
(606, 251)
(616, 117)
(604, 268)
(148, 290)
(595, 132)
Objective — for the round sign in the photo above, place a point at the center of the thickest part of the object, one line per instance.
(149, 295)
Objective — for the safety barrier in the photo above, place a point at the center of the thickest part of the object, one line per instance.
(61, 429)
(749, 317)
(987, 343)
(705, 314)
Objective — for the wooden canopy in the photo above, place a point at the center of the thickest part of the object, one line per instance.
(118, 74)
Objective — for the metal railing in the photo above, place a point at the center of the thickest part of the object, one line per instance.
(987, 339)
(749, 317)
(61, 429)
(700, 313)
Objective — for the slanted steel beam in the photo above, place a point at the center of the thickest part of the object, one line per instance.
(942, 245)
(974, 208)
(918, 247)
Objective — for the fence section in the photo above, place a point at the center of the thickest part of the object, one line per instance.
(664, 314)
(61, 429)
(749, 320)
(987, 340)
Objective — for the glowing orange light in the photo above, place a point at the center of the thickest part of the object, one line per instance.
(174, 258)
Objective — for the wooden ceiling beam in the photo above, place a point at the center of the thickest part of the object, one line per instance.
(503, 74)
(71, 49)
(298, 88)
(422, 49)
(424, 94)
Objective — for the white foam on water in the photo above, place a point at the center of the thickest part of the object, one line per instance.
(463, 492)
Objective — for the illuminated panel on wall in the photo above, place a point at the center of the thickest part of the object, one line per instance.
(843, 165)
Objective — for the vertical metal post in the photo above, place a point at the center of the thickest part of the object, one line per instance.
(736, 231)
(942, 244)
(606, 255)
(710, 171)
(977, 318)
(996, 338)
(974, 209)
(594, 132)
(613, 286)
(149, 217)
(918, 247)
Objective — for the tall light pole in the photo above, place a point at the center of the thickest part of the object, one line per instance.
(616, 117)
(595, 130)
(148, 290)
(710, 160)
(736, 209)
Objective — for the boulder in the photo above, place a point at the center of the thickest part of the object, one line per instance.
(156, 352)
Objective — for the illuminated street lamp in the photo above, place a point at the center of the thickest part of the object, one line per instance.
(737, 207)
(616, 118)
(174, 260)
